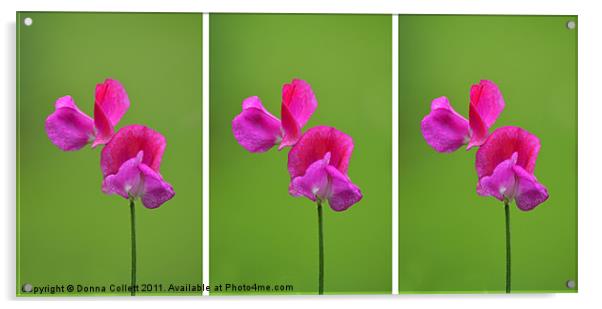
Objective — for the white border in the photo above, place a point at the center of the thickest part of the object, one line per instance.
(205, 151)
(395, 155)
(558, 7)
(590, 167)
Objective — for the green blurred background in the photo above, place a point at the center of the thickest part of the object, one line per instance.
(69, 232)
(451, 239)
(258, 232)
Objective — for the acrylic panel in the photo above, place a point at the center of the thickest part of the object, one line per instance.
(261, 237)
(451, 240)
(109, 129)
(72, 239)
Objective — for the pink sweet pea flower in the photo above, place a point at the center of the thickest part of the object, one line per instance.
(257, 130)
(130, 166)
(70, 129)
(505, 165)
(318, 167)
(445, 130)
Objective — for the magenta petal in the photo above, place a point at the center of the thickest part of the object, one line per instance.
(300, 100)
(127, 182)
(530, 192)
(255, 128)
(314, 183)
(298, 104)
(67, 127)
(67, 102)
(135, 179)
(314, 145)
(444, 129)
(255, 102)
(111, 103)
(500, 146)
(112, 98)
(156, 191)
(104, 128)
(479, 130)
(290, 128)
(487, 100)
(501, 184)
(127, 143)
(486, 105)
(343, 193)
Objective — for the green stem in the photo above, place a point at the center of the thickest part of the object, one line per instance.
(133, 235)
(508, 254)
(321, 250)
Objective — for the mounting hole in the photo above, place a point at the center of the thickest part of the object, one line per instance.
(27, 287)
(570, 284)
(27, 21)
(571, 24)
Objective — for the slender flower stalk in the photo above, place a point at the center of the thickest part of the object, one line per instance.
(321, 249)
(508, 252)
(133, 236)
(505, 160)
(318, 166)
(131, 158)
(318, 160)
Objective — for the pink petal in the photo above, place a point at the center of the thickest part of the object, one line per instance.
(290, 127)
(127, 182)
(298, 104)
(111, 103)
(478, 129)
(487, 99)
(135, 179)
(314, 145)
(501, 184)
(444, 129)
(300, 100)
(156, 191)
(486, 104)
(530, 192)
(112, 98)
(104, 128)
(343, 193)
(314, 183)
(255, 128)
(67, 127)
(500, 146)
(255, 102)
(127, 143)
(67, 102)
